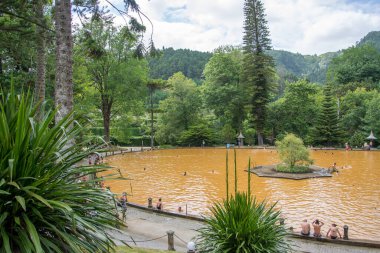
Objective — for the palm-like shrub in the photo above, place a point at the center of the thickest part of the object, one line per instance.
(242, 224)
(43, 205)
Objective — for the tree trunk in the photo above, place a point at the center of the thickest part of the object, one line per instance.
(151, 119)
(64, 68)
(260, 141)
(39, 91)
(106, 111)
(1, 66)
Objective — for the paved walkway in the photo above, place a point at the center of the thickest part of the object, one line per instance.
(148, 230)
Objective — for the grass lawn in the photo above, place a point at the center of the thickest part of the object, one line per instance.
(138, 250)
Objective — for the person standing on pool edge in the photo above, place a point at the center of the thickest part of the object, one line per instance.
(159, 204)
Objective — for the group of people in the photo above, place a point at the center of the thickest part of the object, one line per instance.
(332, 233)
(95, 159)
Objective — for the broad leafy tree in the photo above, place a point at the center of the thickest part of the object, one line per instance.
(353, 109)
(190, 63)
(258, 67)
(222, 90)
(117, 76)
(180, 110)
(356, 67)
(372, 117)
(297, 111)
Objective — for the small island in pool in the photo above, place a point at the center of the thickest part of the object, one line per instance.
(270, 171)
(296, 162)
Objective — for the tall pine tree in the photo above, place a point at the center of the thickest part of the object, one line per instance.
(258, 67)
(327, 130)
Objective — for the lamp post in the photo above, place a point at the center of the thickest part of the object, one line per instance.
(371, 139)
(240, 140)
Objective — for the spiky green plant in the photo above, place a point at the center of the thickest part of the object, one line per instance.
(43, 205)
(242, 224)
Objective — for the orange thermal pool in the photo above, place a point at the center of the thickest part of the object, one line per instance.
(350, 197)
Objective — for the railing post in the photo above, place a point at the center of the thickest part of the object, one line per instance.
(170, 240)
(345, 232)
(150, 205)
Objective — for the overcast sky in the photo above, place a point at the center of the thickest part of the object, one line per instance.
(304, 26)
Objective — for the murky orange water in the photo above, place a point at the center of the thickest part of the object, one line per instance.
(350, 197)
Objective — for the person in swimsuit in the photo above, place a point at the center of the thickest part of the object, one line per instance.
(317, 228)
(159, 204)
(333, 232)
(305, 228)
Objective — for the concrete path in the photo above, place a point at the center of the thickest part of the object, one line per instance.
(148, 230)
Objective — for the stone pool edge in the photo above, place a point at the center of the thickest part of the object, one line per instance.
(350, 242)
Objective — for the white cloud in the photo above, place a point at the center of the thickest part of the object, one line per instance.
(305, 26)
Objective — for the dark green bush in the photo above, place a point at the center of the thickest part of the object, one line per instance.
(196, 135)
(242, 224)
(44, 207)
(295, 169)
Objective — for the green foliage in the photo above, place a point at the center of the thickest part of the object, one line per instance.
(372, 116)
(357, 139)
(292, 66)
(297, 111)
(228, 134)
(356, 64)
(190, 63)
(353, 109)
(248, 131)
(106, 63)
(180, 110)
(195, 136)
(328, 130)
(292, 152)
(258, 68)
(372, 38)
(222, 90)
(43, 206)
(17, 43)
(295, 169)
(242, 224)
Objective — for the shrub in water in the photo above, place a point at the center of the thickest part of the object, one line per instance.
(293, 152)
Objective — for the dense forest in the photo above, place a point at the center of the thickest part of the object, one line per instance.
(289, 66)
(184, 97)
(190, 63)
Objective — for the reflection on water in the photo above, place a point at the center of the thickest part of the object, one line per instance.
(350, 197)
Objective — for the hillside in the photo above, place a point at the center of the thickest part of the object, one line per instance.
(190, 63)
(372, 38)
(311, 67)
(289, 65)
